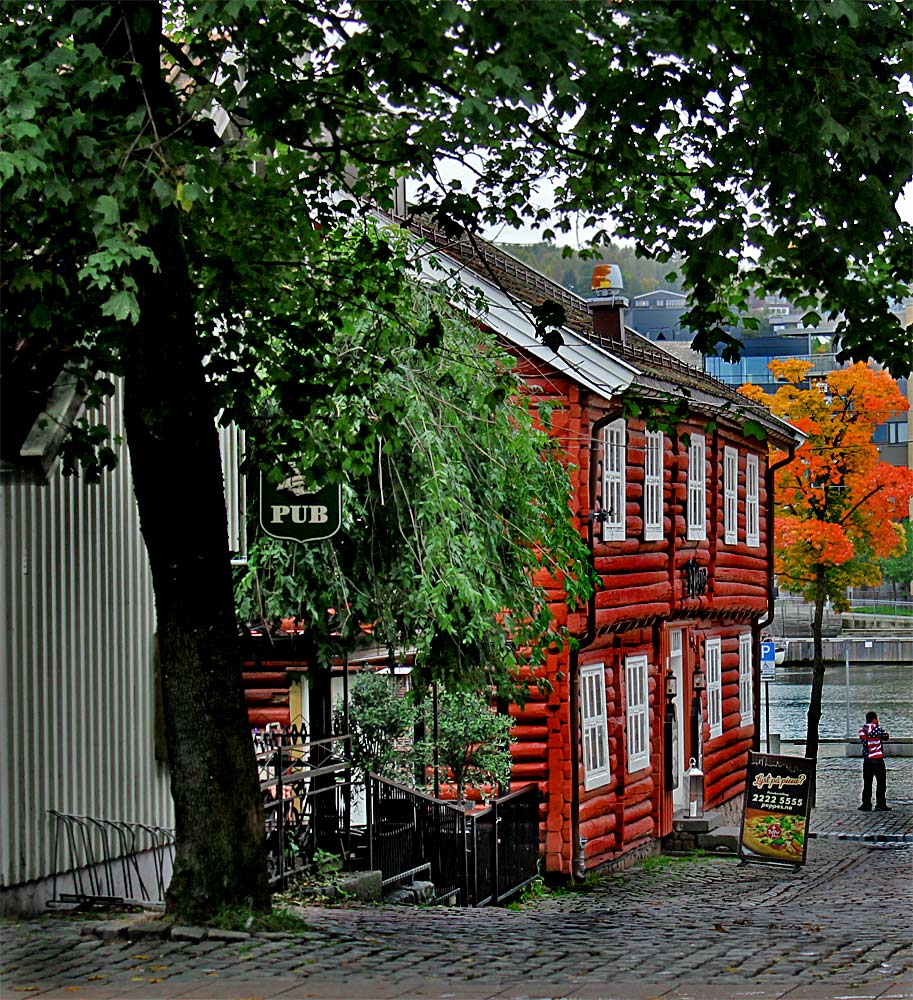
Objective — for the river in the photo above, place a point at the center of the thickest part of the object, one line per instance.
(888, 690)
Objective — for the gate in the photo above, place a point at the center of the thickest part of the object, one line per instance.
(479, 858)
(306, 789)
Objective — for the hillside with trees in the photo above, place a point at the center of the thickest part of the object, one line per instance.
(640, 274)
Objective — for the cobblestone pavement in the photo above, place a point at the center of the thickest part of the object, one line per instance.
(706, 928)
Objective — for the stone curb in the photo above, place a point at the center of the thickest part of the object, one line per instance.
(868, 838)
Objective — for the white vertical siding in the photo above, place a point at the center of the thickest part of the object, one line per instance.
(231, 444)
(76, 689)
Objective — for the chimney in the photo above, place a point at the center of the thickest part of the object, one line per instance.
(607, 304)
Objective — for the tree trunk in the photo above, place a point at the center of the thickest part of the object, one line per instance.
(177, 475)
(174, 451)
(814, 703)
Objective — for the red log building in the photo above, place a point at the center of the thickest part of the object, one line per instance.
(679, 526)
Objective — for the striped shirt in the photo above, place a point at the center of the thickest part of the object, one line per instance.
(871, 736)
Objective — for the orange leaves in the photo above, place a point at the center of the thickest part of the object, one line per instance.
(752, 391)
(812, 541)
(837, 503)
(792, 370)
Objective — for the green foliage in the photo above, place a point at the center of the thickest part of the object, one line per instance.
(473, 742)
(898, 569)
(379, 715)
(453, 496)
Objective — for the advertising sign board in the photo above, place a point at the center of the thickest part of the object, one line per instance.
(775, 812)
(288, 510)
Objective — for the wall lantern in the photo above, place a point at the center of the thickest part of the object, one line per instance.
(694, 790)
(671, 685)
(699, 680)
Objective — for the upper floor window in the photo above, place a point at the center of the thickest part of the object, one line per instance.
(752, 507)
(731, 495)
(638, 715)
(697, 489)
(713, 656)
(613, 482)
(595, 727)
(653, 486)
(746, 701)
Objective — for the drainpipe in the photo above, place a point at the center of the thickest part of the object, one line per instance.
(768, 617)
(577, 858)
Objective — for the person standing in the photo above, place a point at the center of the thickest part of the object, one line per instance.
(873, 767)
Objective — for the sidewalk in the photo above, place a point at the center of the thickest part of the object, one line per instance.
(700, 928)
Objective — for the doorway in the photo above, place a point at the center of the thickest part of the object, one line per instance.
(677, 669)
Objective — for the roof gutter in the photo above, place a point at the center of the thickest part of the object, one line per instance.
(768, 617)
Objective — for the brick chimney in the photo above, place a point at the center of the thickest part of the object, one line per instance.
(607, 304)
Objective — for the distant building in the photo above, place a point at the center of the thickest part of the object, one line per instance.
(658, 315)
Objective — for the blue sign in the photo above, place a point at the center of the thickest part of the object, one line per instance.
(768, 662)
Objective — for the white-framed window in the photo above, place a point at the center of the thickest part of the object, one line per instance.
(697, 488)
(653, 486)
(713, 662)
(638, 716)
(746, 705)
(596, 769)
(730, 495)
(752, 506)
(613, 482)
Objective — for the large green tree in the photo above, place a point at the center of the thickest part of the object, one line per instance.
(144, 239)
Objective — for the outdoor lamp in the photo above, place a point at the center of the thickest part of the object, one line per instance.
(671, 685)
(694, 790)
(699, 680)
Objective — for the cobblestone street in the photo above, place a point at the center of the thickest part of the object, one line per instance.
(702, 928)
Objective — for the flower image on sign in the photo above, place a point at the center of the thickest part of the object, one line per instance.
(775, 814)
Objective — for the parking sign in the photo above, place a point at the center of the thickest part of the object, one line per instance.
(768, 662)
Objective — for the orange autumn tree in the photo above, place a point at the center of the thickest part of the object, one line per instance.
(837, 504)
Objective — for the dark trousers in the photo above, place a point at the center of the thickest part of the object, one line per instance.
(873, 769)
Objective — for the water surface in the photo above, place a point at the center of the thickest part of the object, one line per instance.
(888, 690)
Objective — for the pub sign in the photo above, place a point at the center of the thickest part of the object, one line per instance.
(289, 510)
(775, 813)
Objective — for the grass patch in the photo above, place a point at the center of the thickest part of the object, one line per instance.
(243, 918)
(537, 889)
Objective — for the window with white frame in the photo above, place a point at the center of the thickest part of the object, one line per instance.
(653, 486)
(697, 488)
(730, 495)
(596, 769)
(638, 716)
(713, 662)
(613, 482)
(752, 507)
(746, 701)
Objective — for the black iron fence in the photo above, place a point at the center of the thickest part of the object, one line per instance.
(475, 857)
(306, 787)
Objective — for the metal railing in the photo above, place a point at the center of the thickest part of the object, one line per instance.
(475, 857)
(105, 861)
(306, 788)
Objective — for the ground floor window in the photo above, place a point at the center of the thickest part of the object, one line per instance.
(714, 666)
(595, 727)
(746, 701)
(638, 716)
